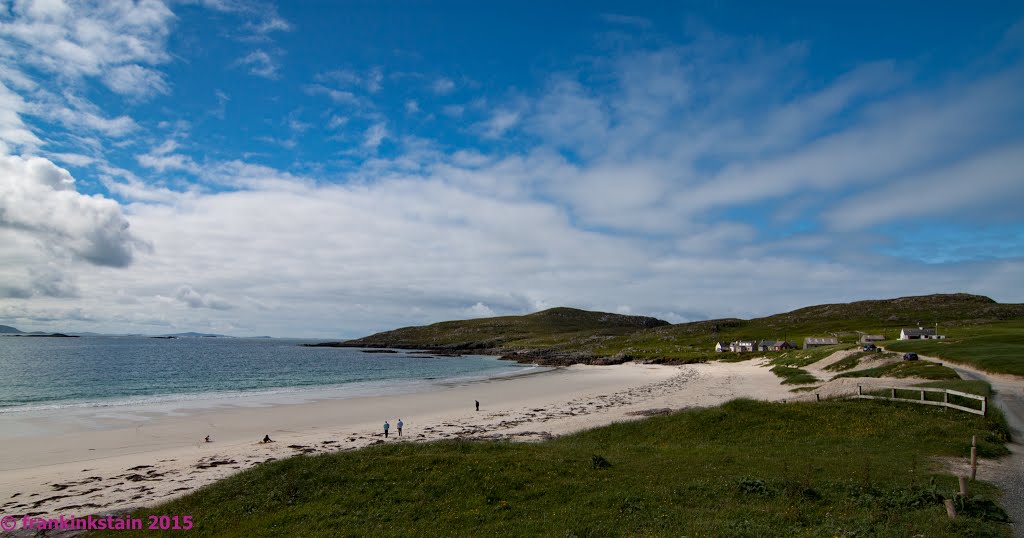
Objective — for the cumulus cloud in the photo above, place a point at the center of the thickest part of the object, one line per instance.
(38, 198)
(479, 310)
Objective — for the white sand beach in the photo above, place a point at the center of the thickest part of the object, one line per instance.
(98, 461)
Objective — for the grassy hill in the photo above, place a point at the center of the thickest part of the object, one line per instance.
(839, 468)
(566, 335)
(555, 327)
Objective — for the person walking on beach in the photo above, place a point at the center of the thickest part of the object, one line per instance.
(400, 424)
(386, 427)
(477, 404)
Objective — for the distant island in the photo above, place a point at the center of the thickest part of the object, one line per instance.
(7, 330)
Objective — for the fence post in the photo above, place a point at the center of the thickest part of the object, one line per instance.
(974, 456)
(817, 397)
(922, 395)
(950, 509)
(860, 390)
(893, 392)
(963, 485)
(984, 407)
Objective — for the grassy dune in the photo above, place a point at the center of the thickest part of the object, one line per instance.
(838, 468)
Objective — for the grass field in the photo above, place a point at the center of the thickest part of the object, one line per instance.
(997, 348)
(980, 388)
(837, 468)
(921, 369)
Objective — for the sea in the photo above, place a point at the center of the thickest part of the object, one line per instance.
(39, 374)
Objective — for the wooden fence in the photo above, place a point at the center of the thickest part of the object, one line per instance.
(944, 403)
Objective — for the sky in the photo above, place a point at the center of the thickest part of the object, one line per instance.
(333, 169)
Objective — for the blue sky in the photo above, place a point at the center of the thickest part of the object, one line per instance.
(326, 169)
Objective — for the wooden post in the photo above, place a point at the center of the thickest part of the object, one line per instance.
(984, 407)
(950, 509)
(893, 392)
(974, 456)
(817, 397)
(922, 395)
(963, 485)
(945, 400)
(860, 390)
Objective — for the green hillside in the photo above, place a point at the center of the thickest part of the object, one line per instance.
(566, 335)
(553, 327)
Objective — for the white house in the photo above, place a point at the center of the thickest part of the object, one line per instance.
(722, 347)
(920, 333)
(871, 338)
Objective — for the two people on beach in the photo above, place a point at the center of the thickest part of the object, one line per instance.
(388, 426)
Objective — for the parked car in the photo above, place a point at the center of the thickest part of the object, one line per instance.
(910, 356)
(871, 347)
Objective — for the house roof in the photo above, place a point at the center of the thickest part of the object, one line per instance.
(872, 337)
(769, 343)
(821, 341)
(918, 332)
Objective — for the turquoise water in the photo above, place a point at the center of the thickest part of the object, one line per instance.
(51, 373)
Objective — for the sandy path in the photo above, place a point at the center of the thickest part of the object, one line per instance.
(1007, 473)
(136, 460)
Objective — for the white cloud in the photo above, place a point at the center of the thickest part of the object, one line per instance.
(443, 86)
(412, 106)
(260, 63)
(991, 181)
(339, 96)
(455, 111)
(39, 199)
(479, 310)
(500, 123)
(374, 79)
(374, 135)
(194, 299)
(336, 122)
(90, 38)
(136, 81)
(13, 131)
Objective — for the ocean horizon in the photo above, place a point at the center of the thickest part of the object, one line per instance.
(129, 371)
